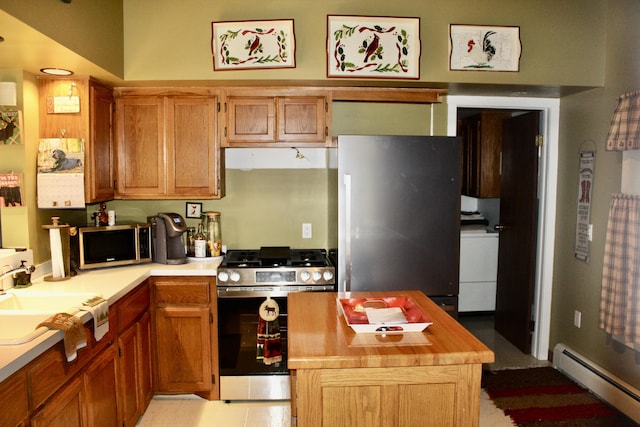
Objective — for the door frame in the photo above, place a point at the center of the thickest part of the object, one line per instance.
(547, 191)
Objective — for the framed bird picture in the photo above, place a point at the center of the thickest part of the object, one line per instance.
(376, 47)
(242, 45)
(484, 48)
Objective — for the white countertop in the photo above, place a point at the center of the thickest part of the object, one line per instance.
(110, 283)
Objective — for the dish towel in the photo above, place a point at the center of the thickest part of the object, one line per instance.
(269, 342)
(99, 309)
(72, 327)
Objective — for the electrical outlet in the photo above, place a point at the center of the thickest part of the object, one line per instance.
(307, 231)
(577, 318)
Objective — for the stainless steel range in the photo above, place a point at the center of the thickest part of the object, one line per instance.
(246, 280)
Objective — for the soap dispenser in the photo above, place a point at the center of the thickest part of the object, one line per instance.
(22, 279)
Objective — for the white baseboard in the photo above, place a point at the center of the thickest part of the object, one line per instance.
(603, 384)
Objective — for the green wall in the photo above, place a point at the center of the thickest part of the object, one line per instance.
(556, 36)
(586, 118)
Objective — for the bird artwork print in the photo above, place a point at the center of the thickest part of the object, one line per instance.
(254, 45)
(482, 55)
(372, 48)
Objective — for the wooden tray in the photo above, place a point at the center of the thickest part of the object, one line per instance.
(383, 315)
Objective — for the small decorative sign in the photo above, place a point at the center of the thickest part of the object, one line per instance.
(484, 48)
(10, 125)
(586, 171)
(373, 46)
(11, 190)
(241, 45)
(63, 104)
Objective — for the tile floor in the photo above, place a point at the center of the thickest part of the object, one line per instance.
(192, 411)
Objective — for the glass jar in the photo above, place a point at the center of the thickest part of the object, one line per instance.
(214, 237)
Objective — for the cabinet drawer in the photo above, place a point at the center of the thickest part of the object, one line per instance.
(133, 307)
(181, 291)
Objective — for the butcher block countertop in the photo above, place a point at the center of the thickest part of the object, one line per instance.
(319, 337)
(341, 378)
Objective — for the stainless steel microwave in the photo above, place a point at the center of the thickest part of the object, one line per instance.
(114, 245)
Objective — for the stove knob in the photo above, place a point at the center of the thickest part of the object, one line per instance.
(305, 276)
(235, 276)
(328, 275)
(317, 276)
(223, 276)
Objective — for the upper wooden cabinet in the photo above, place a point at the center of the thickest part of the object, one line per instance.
(166, 144)
(93, 123)
(271, 118)
(482, 148)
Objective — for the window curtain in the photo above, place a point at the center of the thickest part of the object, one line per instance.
(624, 133)
(620, 295)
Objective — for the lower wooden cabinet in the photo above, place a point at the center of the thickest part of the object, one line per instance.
(184, 311)
(100, 384)
(14, 401)
(65, 409)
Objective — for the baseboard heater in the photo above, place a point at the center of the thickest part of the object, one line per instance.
(603, 384)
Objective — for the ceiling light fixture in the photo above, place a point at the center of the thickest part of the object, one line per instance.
(56, 71)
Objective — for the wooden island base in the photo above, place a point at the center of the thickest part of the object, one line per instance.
(340, 378)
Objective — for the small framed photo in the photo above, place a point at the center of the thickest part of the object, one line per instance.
(242, 45)
(484, 48)
(379, 47)
(194, 210)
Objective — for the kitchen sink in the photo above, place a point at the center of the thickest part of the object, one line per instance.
(50, 302)
(19, 327)
(21, 312)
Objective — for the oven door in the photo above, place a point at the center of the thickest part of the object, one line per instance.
(243, 374)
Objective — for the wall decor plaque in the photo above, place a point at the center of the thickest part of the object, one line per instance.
(238, 45)
(373, 47)
(484, 48)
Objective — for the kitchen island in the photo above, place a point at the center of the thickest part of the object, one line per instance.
(343, 378)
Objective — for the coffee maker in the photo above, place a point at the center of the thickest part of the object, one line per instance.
(166, 238)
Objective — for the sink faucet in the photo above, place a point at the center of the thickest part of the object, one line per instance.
(14, 273)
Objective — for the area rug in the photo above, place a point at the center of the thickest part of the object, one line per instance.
(544, 397)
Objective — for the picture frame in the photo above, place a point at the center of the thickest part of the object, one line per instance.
(193, 210)
(377, 47)
(484, 48)
(243, 45)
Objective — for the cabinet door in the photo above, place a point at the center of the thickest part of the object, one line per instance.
(251, 119)
(101, 176)
(129, 378)
(101, 389)
(64, 409)
(301, 119)
(192, 147)
(144, 362)
(13, 401)
(140, 146)
(183, 349)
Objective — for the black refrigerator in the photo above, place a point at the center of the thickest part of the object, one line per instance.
(399, 215)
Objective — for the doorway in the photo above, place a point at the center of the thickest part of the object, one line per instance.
(549, 116)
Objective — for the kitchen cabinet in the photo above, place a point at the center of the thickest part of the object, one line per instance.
(277, 118)
(482, 146)
(135, 361)
(100, 386)
(13, 401)
(93, 123)
(478, 271)
(166, 144)
(64, 409)
(184, 335)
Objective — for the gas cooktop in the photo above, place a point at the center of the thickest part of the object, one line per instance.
(277, 267)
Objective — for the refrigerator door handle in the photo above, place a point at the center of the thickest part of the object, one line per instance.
(347, 231)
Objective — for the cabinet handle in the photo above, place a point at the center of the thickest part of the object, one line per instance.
(499, 227)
